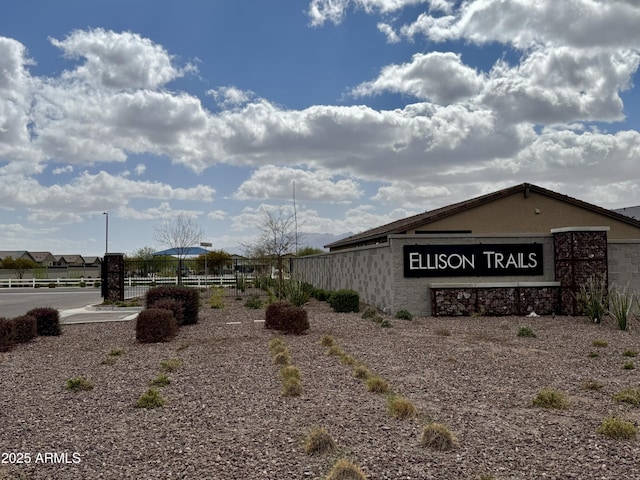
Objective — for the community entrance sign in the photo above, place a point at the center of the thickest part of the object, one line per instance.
(473, 260)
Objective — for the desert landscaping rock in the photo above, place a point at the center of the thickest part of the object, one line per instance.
(225, 416)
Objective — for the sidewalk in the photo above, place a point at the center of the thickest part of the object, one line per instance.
(98, 314)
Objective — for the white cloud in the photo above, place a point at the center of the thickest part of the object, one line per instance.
(405, 193)
(527, 23)
(161, 212)
(140, 169)
(440, 77)
(229, 97)
(276, 182)
(61, 170)
(118, 61)
(88, 193)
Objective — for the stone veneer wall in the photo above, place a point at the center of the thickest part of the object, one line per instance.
(505, 300)
(580, 253)
(113, 277)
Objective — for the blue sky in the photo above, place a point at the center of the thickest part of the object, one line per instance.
(376, 109)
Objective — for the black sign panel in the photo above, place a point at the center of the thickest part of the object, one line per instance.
(473, 260)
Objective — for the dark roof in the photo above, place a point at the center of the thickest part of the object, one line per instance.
(409, 223)
(183, 251)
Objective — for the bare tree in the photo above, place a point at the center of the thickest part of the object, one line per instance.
(179, 233)
(277, 239)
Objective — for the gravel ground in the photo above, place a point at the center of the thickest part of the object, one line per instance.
(227, 419)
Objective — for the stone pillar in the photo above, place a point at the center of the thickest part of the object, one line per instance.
(113, 277)
(579, 253)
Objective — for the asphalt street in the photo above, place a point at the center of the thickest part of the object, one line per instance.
(76, 305)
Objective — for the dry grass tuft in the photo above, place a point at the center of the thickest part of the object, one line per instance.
(291, 387)
(628, 395)
(361, 371)
(438, 437)
(617, 428)
(282, 358)
(345, 470)
(377, 384)
(551, 398)
(400, 407)
(319, 442)
(327, 341)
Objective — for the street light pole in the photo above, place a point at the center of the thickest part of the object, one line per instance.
(106, 233)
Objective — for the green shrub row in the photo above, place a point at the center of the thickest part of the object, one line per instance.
(24, 328)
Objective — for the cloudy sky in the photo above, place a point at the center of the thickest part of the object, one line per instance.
(376, 109)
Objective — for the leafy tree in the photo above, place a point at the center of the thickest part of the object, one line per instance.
(180, 233)
(305, 251)
(19, 266)
(142, 262)
(216, 261)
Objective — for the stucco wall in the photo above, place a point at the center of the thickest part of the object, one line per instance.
(377, 272)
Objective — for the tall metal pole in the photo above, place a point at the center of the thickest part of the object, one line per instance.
(106, 233)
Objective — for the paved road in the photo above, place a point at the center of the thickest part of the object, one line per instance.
(18, 301)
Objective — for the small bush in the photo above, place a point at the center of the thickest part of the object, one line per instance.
(617, 428)
(343, 469)
(335, 350)
(282, 358)
(327, 341)
(377, 384)
(48, 320)
(290, 372)
(600, 343)
(79, 384)
(291, 387)
(215, 300)
(443, 332)
(7, 337)
(369, 313)
(189, 297)
(296, 292)
(361, 371)
(174, 306)
(630, 353)
(160, 381)
(400, 407)
(620, 303)
(253, 302)
(155, 325)
(593, 355)
(550, 398)
(438, 437)
(276, 346)
(526, 332)
(628, 365)
(404, 315)
(629, 395)
(345, 301)
(116, 352)
(25, 328)
(385, 323)
(170, 365)
(320, 294)
(592, 298)
(286, 317)
(150, 399)
(319, 442)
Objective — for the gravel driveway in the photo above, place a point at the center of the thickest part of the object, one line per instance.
(226, 418)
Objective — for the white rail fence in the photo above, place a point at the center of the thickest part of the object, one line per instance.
(192, 281)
